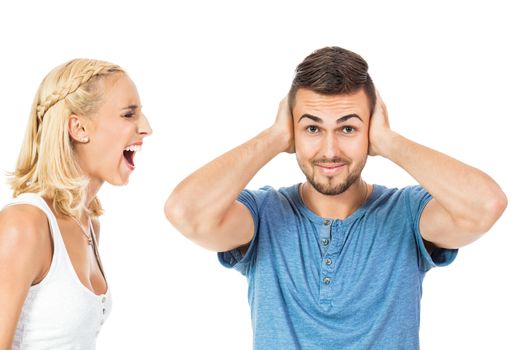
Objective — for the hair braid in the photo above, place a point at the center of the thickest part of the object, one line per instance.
(72, 85)
(47, 163)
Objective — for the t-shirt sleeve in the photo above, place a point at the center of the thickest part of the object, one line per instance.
(252, 200)
(429, 255)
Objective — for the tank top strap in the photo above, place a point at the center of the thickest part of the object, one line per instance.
(37, 201)
(59, 312)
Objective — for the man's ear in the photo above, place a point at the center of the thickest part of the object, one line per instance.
(77, 129)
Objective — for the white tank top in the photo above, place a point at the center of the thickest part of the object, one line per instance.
(59, 313)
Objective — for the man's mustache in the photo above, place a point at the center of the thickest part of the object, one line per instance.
(336, 160)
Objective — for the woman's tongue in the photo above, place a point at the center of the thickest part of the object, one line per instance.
(128, 155)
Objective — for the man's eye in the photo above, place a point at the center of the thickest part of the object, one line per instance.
(312, 129)
(348, 129)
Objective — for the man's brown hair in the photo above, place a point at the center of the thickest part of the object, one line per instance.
(333, 71)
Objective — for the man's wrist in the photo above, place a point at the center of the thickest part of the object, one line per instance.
(278, 138)
(389, 143)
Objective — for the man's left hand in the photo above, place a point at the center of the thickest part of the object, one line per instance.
(379, 129)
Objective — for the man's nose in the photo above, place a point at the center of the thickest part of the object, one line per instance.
(330, 146)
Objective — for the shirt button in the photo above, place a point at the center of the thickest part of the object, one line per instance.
(103, 311)
(326, 222)
(327, 280)
(325, 241)
(328, 261)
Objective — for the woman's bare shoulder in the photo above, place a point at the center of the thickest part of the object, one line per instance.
(23, 228)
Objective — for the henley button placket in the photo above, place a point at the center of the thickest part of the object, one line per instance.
(326, 277)
(324, 236)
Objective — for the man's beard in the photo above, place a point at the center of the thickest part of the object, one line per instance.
(329, 188)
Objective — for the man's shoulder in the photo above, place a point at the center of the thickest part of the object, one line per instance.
(268, 197)
(403, 198)
(380, 191)
(271, 192)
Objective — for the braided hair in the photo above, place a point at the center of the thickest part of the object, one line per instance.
(47, 164)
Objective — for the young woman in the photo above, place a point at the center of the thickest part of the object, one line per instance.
(85, 127)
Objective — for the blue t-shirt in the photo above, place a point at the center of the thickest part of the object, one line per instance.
(317, 283)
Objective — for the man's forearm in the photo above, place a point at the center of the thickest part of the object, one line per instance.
(209, 192)
(466, 193)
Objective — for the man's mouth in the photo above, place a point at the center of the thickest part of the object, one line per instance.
(330, 168)
(129, 154)
(330, 165)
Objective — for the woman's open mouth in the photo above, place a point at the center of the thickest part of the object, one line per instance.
(129, 154)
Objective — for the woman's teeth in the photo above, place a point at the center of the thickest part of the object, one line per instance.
(133, 148)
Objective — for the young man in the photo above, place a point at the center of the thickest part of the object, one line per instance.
(335, 263)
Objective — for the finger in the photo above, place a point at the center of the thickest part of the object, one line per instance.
(379, 100)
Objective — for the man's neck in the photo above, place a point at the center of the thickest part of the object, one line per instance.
(338, 206)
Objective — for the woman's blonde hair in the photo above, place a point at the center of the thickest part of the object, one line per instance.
(47, 164)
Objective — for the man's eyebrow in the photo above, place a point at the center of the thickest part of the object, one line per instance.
(348, 116)
(312, 117)
(339, 121)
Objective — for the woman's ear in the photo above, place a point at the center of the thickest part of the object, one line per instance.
(77, 129)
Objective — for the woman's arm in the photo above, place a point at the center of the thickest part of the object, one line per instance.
(25, 257)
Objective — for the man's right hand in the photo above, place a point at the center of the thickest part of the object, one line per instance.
(283, 125)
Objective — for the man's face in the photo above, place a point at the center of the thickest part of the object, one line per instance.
(331, 138)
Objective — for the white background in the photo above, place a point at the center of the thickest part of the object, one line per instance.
(211, 74)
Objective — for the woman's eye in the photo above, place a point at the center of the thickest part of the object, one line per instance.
(312, 129)
(129, 115)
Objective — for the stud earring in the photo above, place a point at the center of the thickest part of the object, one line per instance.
(85, 139)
